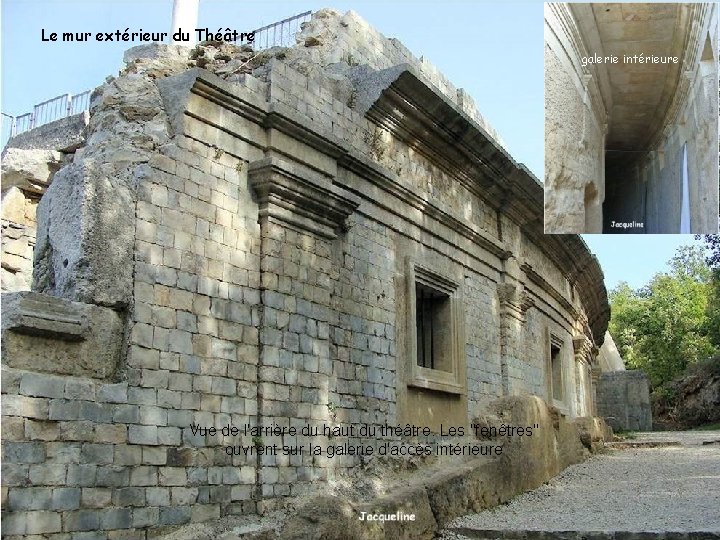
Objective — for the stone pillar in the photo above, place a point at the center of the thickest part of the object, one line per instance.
(300, 215)
(514, 302)
(583, 348)
(595, 373)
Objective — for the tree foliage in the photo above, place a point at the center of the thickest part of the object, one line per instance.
(667, 325)
(712, 244)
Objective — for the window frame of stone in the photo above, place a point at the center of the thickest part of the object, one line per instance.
(448, 378)
(556, 394)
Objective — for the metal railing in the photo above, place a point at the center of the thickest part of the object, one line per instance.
(46, 112)
(279, 34)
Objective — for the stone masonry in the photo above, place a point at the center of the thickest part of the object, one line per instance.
(624, 400)
(258, 235)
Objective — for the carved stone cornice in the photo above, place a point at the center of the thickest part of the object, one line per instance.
(583, 348)
(300, 197)
(417, 113)
(541, 282)
(514, 300)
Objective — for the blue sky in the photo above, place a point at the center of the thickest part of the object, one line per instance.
(492, 49)
(635, 258)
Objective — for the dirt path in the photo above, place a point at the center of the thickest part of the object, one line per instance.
(662, 489)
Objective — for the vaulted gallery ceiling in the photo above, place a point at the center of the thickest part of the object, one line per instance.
(641, 92)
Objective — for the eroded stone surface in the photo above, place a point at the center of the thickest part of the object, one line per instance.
(30, 170)
(52, 335)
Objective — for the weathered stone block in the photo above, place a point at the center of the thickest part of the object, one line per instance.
(172, 476)
(95, 412)
(79, 389)
(23, 452)
(97, 453)
(13, 428)
(28, 407)
(174, 515)
(29, 169)
(112, 476)
(96, 497)
(41, 385)
(86, 233)
(145, 517)
(48, 474)
(82, 520)
(115, 518)
(29, 499)
(47, 334)
(61, 409)
(65, 499)
(142, 434)
(623, 399)
(81, 475)
(40, 430)
(110, 433)
(113, 393)
(169, 436)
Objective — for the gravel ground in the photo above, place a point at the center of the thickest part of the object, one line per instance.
(647, 489)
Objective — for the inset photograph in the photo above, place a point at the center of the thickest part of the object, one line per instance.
(631, 118)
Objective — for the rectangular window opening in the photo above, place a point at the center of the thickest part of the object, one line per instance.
(556, 372)
(433, 324)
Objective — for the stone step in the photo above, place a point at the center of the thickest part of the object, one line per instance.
(515, 534)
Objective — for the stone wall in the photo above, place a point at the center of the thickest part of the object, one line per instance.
(692, 132)
(576, 122)
(623, 400)
(656, 189)
(260, 231)
(18, 242)
(445, 490)
(29, 162)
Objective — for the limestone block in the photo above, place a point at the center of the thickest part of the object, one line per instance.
(63, 135)
(329, 517)
(85, 235)
(623, 399)
(15, 206)
(292, 193)
(52, 335)
(18, 241)
(29, 169)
